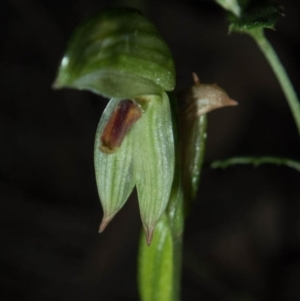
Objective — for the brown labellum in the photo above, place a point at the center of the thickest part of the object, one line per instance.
(126, 113)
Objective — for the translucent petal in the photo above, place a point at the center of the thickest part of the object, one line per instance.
(114, 171)
(154, 160)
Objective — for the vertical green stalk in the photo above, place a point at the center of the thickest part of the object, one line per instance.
(193, 150)
(280, 73)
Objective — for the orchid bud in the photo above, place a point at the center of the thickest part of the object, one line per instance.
(195, 102)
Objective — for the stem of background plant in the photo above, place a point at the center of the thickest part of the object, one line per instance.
(284, 81)
(256, 162)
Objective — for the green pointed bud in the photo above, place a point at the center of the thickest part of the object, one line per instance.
(154, 161)
(118, 54)
(231, 5)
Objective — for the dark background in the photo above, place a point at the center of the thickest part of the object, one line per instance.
(242, 236)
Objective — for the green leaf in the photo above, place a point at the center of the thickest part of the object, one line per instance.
(118, 54)
(258, 17)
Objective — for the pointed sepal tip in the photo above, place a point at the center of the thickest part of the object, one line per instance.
(149, 234)
(105, 221)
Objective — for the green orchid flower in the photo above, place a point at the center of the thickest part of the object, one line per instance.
(119, 54)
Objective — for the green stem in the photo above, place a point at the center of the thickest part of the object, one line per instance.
(284, 81)
(256, 162)
(193, 149)
(175, 214)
